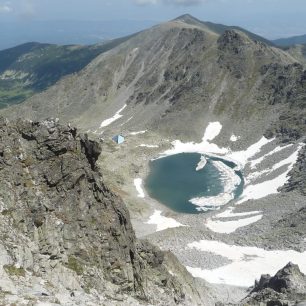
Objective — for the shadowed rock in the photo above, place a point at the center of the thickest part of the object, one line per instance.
(287, 287)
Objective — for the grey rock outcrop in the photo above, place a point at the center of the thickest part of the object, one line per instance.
(297, 175)
(286, 288)
(65, 237)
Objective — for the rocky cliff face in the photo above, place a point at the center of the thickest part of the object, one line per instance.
(297, 178)
(286, 288)
(65, 237)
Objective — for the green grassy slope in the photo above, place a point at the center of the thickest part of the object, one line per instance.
(33, 67)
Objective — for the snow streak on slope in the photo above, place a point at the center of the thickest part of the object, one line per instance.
(229, 226)
(114, 118)
(138, 133)
(261, 190)
(138, 185)
(257, 161)
(148, 146)
(242, 157)
(228, 213)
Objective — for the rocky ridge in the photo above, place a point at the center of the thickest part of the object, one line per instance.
(286, 288)
(65, 237)
(174, 78)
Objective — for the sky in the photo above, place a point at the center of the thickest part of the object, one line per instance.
(269, 18)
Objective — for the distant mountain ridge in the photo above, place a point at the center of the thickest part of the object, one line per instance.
(177, 69)
(290, 41)
(33, 67)
(67, 32)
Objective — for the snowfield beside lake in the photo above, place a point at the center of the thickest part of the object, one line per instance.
(138, 186)
(247, 263)
(227, 227)
(162, 222)
(207, 147)
(212, 131)
(240, 158)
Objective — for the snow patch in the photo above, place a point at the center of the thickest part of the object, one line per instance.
(255, 175)
(227, 227)
(206, 147)
(234, 138)
(229, 213)
(242, 157)
(138, 185)
(212, 131)
(137, 133)
(255, 162)
(148, 146)
(248, 263)
(114, 118)
(202, 163)
(162, 222)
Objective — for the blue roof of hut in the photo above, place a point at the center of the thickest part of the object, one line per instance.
(118, 139)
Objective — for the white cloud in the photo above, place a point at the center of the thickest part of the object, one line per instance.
(145, 2)
(183, 2)
(170, 2)
(5, 8)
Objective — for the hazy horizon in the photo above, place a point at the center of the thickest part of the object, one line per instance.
(75, 21)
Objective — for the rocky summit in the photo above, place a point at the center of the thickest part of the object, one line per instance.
(66, 238)
(286, 288)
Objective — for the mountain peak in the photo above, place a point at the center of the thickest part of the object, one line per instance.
(187, 18)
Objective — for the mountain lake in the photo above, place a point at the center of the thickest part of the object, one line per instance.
(174, 181)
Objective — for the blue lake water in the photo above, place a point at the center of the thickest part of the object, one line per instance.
(173, 181)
